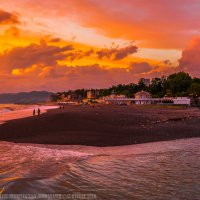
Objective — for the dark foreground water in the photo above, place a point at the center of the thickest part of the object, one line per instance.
(161, 170)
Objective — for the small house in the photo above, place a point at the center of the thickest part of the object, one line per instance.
(142, 97)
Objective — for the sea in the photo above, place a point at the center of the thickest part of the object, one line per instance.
(167, 170)
(160, 170)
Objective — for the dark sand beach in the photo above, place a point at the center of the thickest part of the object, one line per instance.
(104, 125)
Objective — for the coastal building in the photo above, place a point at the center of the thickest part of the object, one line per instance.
(181, 101)
(146, 81)
(114, 99)
(92, 94)
(114, 96)
(74, 97)
(143, 97)
(63, 98)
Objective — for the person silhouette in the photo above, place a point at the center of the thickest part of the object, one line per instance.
(34, 112)
(38, 111)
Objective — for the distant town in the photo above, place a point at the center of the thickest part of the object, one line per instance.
(175, 89)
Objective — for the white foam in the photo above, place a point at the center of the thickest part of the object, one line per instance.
(36, 153)
(60, 152)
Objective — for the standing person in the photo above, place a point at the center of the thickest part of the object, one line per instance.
(34, 112)
(38, 111)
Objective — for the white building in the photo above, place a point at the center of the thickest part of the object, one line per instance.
(182, 101)
(143, 98)
(113, 97)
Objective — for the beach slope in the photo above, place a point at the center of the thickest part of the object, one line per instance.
(104, 125)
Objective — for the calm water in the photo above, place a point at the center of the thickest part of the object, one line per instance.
(161, 170)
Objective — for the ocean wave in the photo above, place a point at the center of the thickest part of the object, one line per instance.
(125, 172)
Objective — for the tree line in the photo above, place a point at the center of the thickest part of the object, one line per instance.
(175, 85)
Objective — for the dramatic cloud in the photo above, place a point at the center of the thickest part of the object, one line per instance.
(8, 18)
(23, 57)
(79, 54)
(74, 52)
(138, 68)
(12, 31)
(43, 66)
(167, 62)
(155, 23)
(63, 78)
(112, 53)
(60, 78)
(117, 53)
(55, 40)
(190, 60)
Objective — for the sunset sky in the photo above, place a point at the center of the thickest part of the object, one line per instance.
(57, 45)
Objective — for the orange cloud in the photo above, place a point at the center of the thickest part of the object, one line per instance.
(116, 53)
(12, 31)
(140, 67)
(54, 40)
(8, 18)
(45, 66)
(56, 64)
(79, 54)
(60, 78)
(24, 57)
(112, 53)
(190, 60)
(154, 24)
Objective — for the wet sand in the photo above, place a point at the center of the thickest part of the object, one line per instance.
(104, 125)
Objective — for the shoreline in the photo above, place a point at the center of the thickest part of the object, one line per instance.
(104, 125)
(133, 149)
(14, 112)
